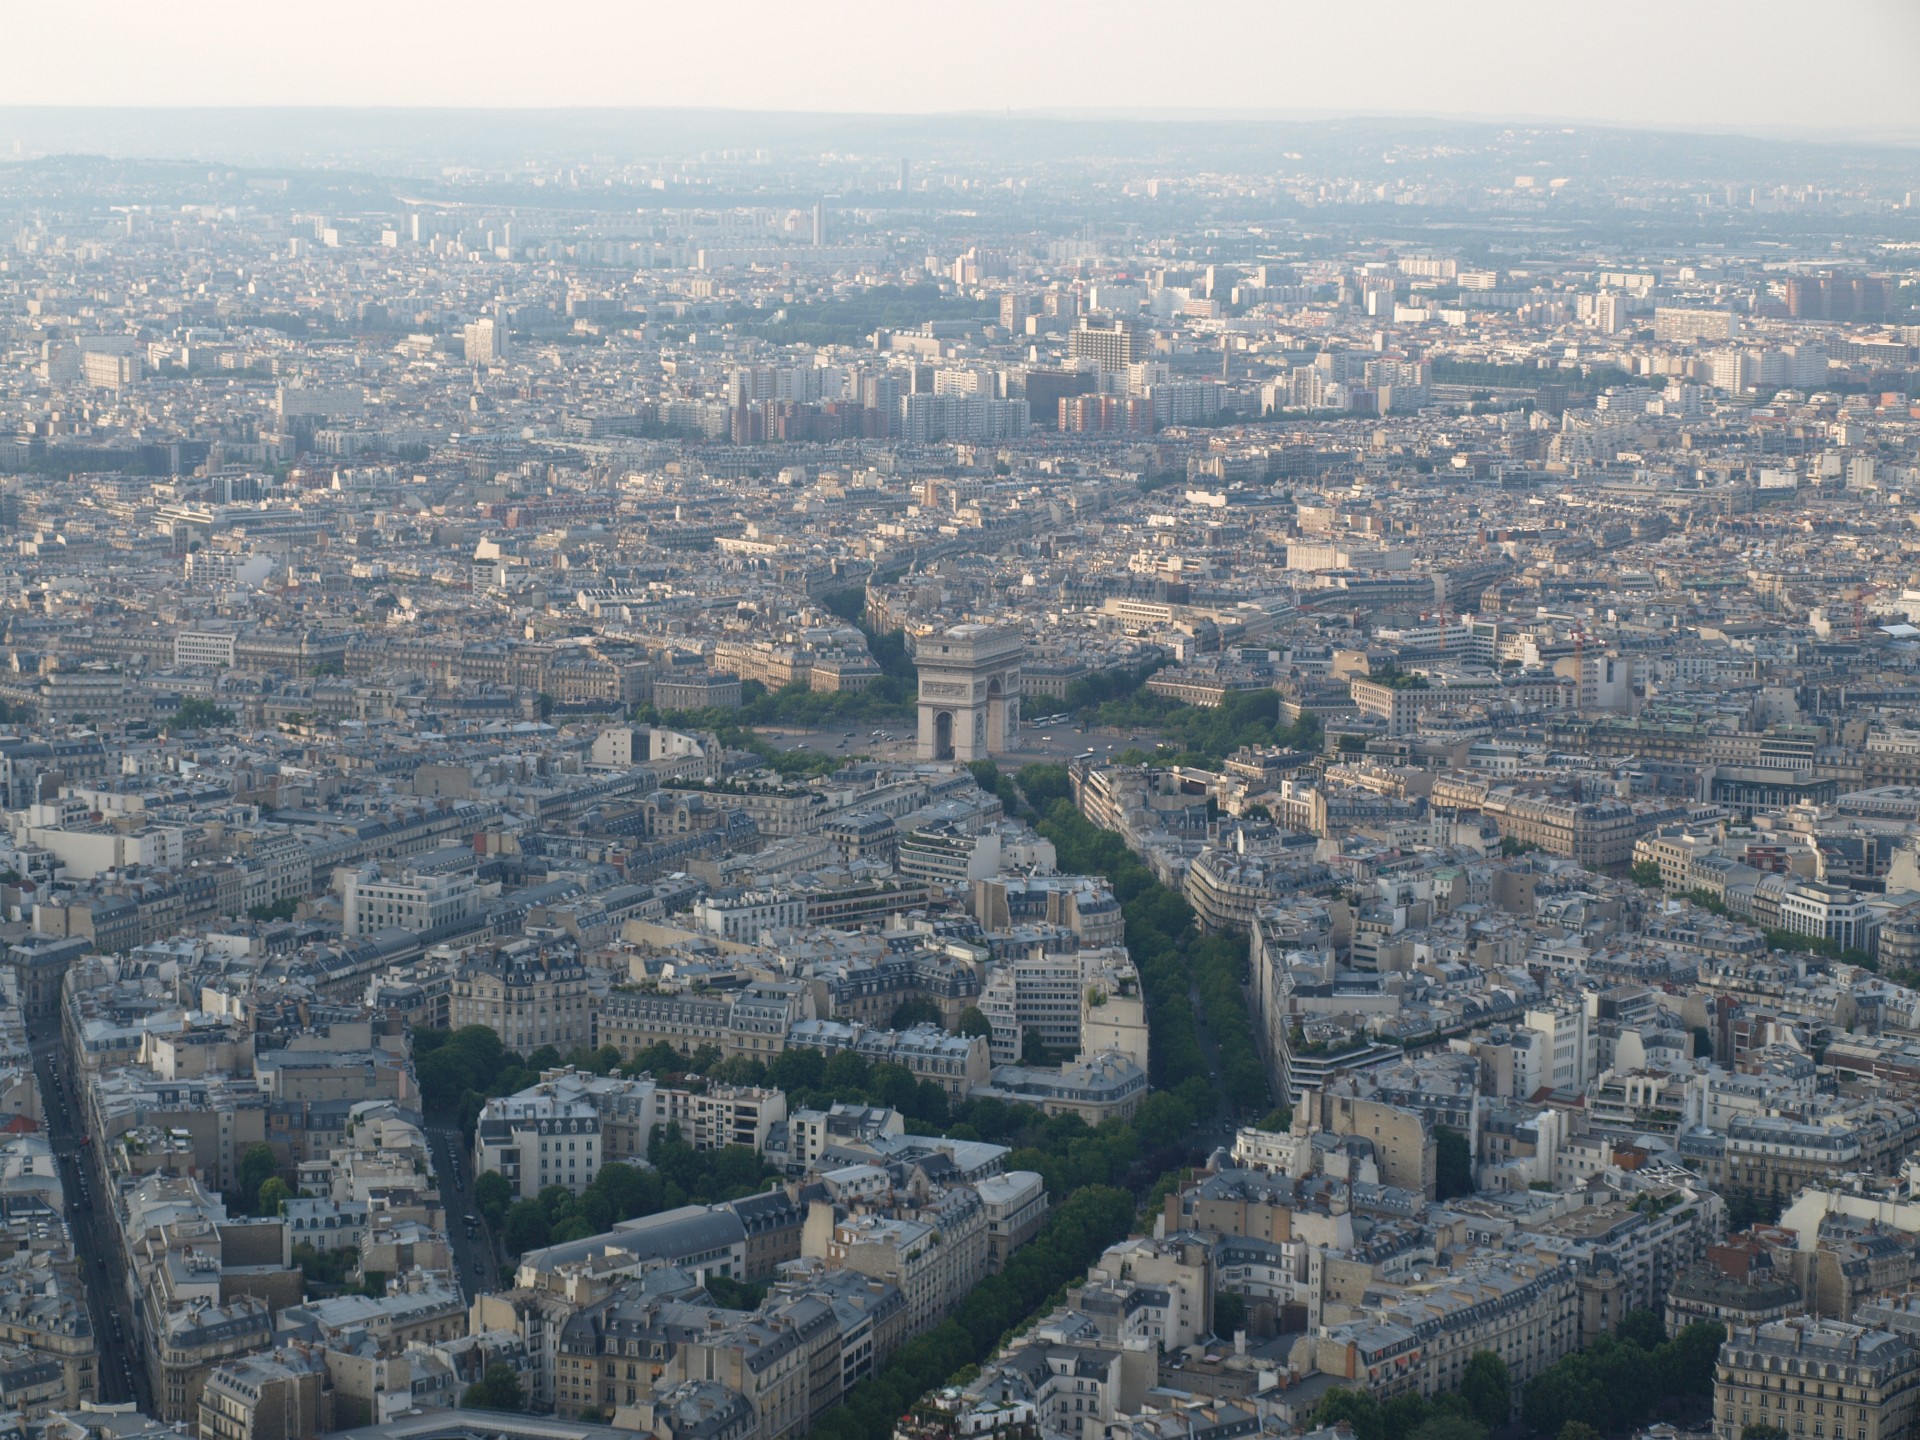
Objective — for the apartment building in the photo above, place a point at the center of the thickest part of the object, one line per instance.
(527, 996)
(722, 1115)
(1096, 1087)
(933, 1265)
(1040, 991)
(284, 1395)
(537, 1138)
(1810, 1378)
(958, 1064)
(1600, 834)
(755, 1022)
(1402, 1140)
(371, 901)
(185, 1344)
(48, 1318)
(1522, 1308)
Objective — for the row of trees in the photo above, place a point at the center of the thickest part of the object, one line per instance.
(1075, 1234)
(1175, 960)
(1109, 686)
(460, 1070)
(1483, 1402)
(1155, 923)
(1612, 1387)
(890, 699)
(1622, 1379)
(1063, 1150)
(198, 714)
(725, 727)
(1206, 735)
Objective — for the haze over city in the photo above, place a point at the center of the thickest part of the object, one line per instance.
(1720, 64)
(1066, 722)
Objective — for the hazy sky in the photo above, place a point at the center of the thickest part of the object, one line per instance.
(1746, 64)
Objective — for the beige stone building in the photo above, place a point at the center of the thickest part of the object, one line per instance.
(528, 997)
(285, 1395)
(1817, 1379)
(1403, 1142)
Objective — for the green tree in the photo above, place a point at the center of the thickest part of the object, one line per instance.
(798, 1068)
(1404, 1414)
(733, 1294)
(1566, 1390)
(917, 1011)
(1646, 873)
(1162, 1121)
(1764, 1432)
(1229, 1313)
(1453, 1163)
(257, 1166)
(1033, 1048)
(199, 714)
(274, 1193)
(973, 1021)
(494, 1195)
(1578, 1430)
(1643, 1328)
(1449, 1427)
(1357, 1407)
(1690, 1359)
(846, 1070)
(1487, 1389)
(498, 1389)
(324, 1267)
(527, 1228)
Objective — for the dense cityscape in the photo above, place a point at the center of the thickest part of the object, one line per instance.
(717, 778)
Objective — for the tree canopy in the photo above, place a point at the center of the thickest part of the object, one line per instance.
(1486, 1388)
(258, 1165)
(498, 1389)
(1620, 1380)
(198, 714)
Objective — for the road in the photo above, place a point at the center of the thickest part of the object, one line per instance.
(475, 1260)
(96, 1239)
(1035, 744)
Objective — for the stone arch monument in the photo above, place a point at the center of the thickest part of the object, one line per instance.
(969, 692)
